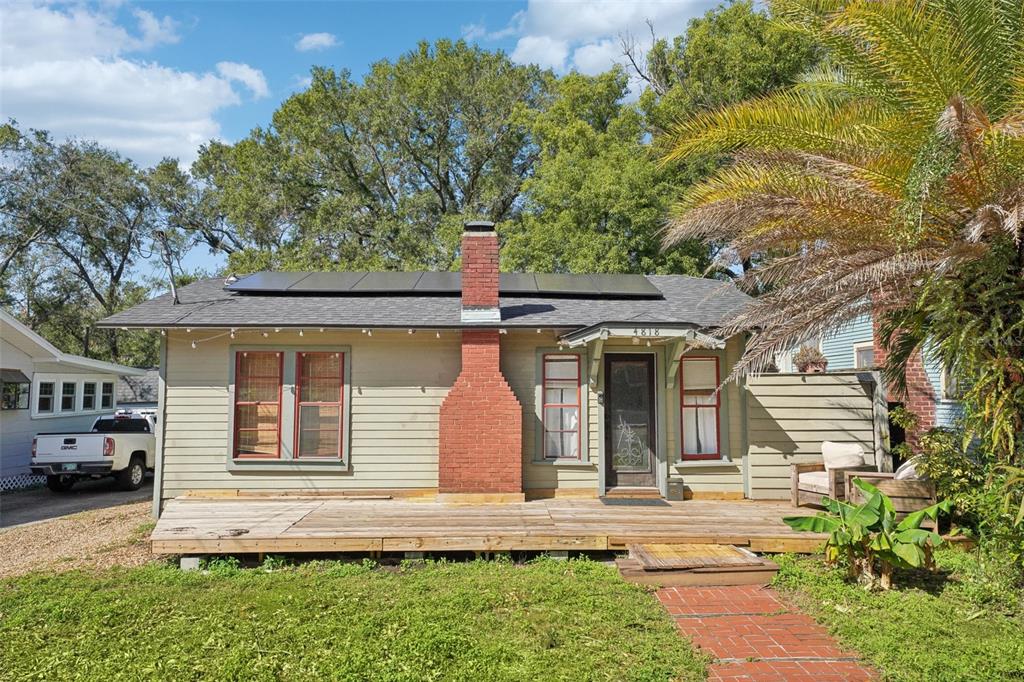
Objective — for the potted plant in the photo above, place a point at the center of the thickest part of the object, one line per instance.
(810, 360)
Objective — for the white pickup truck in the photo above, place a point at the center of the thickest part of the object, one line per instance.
(122, 445)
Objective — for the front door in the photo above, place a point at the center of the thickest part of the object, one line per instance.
(629, 419)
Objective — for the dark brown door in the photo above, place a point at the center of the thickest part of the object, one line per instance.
(629, 419)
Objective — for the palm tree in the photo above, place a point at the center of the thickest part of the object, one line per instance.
(896, 166)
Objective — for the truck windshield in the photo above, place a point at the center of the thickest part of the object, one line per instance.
(121, 426)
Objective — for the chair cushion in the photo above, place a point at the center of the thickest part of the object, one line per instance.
(841, 455)
(814, 481)
(908, 471)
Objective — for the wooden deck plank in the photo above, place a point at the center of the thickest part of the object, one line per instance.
(334, 524)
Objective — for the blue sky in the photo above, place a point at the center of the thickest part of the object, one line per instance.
(156, 79)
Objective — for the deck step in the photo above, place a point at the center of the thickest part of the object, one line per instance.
(621, 493)
(678, 565)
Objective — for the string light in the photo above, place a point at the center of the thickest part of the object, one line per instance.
(321, 330)
(277, 329)
(163, 332)
(188, 330)
(194, 345)
(437, 334)
(412, 331)
(232, 333)
(369, 332)
(265, 335)
(300, 333)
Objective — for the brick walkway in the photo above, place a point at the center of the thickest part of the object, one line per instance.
(754, 635)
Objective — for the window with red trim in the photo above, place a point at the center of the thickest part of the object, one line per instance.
(561, 407)
(318, 404)
(258, 404)
(700, 408)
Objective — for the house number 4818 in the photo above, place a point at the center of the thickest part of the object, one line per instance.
(646, 331)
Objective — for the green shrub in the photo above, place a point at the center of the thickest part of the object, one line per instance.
(958, 474)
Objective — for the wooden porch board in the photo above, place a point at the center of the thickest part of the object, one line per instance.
(224, 524)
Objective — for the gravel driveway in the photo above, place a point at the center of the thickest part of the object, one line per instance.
(101, 538)
(40, 504)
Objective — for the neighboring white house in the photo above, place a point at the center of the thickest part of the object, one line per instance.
(46, 390)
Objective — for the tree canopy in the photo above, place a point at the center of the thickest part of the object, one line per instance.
(379, 173)
(889, 180)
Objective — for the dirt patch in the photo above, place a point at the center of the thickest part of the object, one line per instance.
(115, 536)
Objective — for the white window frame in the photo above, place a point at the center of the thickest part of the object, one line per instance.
(944, 385)
(863, 345)
(79, 380)
(39, 394)
(95, 395)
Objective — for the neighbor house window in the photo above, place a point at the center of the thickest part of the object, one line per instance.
(700, 405)
(68, 393)
(45, 401)
(258, 404)
(864, 356)
(89, 395)
(318, 404)
(14, 391)
(950, 385)
(561, 407)
(107, 395)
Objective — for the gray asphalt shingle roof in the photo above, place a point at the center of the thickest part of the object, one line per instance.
(693, 300)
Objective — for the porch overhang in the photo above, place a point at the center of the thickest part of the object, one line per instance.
(678, 336)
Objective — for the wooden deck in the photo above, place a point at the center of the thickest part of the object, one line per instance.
(197, 525)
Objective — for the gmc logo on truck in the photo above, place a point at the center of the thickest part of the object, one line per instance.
(68, 447)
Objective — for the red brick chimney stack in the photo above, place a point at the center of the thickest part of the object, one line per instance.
(480, 273)
(480, 438)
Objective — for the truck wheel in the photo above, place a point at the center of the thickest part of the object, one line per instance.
(131, 478)
(60, 484)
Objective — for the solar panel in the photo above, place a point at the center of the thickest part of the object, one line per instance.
(387, 282)
(327, 282)
(445, 283)
(549, 283)
(440, 283)
(268, 281)
(624, 285)
(517, 283)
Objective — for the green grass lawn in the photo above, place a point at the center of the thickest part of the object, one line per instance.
(965, 623)
(546, 620)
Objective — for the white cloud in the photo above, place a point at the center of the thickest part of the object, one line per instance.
(316, 41)
(584, 35)
(246, 75)
(69, 70)
(595, 58)
(544, 51)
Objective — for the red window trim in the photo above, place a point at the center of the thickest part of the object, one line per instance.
(299, 403)
(544, 405)
(280, 401)
(683, 406)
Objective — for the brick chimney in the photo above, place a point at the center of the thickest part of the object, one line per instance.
(480, 273)
(480, 438)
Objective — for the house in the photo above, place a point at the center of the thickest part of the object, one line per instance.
(139, 392)
(932, 394)
(46, 390)
(480, 386)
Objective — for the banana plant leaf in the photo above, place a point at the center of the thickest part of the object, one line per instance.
(871, 490)
(918, 536)
(915, 519)
(819, 523)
